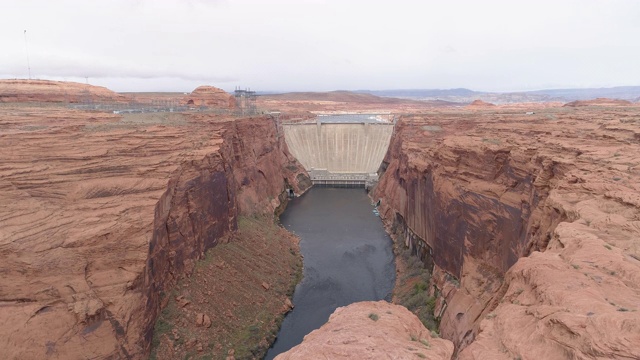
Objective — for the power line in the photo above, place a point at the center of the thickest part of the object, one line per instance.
(27, 49)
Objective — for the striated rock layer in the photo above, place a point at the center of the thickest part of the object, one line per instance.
(371, 330)
(530, 223)
(102, 214)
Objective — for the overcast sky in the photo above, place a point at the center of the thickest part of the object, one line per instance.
(318, 45)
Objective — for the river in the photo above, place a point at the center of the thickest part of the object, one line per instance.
(348, 257)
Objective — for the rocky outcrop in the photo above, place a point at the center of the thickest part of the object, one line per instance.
(529, 224)
(371, 330)
(480, 104)
(210, 96)
(598, 102)
(102, 213)
(55, 91)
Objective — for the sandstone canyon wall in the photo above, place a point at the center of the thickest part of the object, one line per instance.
(102, 213)
(247, 176)
(530, 224)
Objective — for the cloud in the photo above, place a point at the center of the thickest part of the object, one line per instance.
(53, 65)
(448, 49)
(325, 44)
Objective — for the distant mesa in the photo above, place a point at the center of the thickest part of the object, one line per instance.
(351, 97)
(481, 104)
(210, 96)
(336, 96)
(21, 91)
(55, 91)
(598, 102)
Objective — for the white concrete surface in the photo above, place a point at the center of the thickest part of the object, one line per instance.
(339, 148)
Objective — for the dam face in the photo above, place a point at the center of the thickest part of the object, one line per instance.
(339, 153)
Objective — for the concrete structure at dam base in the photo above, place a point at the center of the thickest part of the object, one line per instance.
(322, 177)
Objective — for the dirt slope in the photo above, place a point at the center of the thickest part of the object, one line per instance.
(235, 299)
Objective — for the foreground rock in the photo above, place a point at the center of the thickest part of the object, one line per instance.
(371, 330)
(102, 213)
(530, 225)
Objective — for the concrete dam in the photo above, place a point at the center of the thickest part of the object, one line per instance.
(340, 150)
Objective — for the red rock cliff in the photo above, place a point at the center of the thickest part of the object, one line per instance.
(90, 232)
(529, 224)
(203, 200)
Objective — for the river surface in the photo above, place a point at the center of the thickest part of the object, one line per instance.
(348, 258)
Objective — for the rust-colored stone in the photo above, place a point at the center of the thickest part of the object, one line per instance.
(529, 220)
(371, 330)
(101, 213)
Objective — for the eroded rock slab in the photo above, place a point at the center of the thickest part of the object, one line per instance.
(371, 330)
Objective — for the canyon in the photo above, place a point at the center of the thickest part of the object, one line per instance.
(527, 217)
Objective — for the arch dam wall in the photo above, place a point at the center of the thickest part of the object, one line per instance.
(339, 154)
